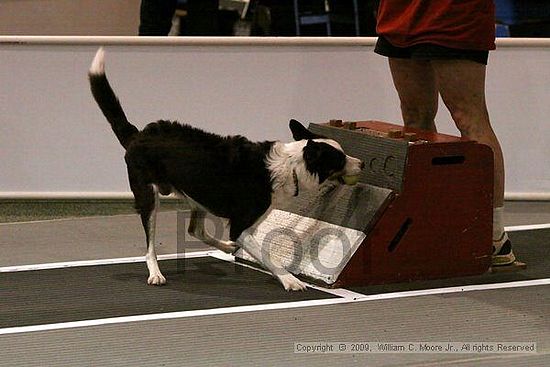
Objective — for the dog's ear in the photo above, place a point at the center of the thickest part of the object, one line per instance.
(313, 160)
(300, 132)
(312, 148)
(312, 152)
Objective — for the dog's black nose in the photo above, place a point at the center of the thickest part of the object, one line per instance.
(362, 165)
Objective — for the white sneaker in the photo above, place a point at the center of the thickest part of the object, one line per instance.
(502, 251)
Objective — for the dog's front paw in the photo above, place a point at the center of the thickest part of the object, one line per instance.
(229, 247)
(156, 279)
(291, 283)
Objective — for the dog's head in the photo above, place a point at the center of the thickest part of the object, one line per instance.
(324, 158)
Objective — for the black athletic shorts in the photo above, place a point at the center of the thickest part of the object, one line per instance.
(429, 51)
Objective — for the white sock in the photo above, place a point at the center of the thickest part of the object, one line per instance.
(498, 225)
(499, 236)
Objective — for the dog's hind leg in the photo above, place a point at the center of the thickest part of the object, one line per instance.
(155, 276)
(147, 203)
(198, 230)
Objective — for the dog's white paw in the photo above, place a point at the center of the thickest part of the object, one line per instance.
(156, 279)
(291, 283)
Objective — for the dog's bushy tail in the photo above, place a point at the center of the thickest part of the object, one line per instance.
(108, 101)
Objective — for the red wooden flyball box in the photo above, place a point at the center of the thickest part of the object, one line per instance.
(438, 222)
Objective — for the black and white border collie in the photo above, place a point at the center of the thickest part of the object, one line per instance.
(230, 177)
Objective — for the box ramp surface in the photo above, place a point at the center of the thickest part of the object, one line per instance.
(316, 234)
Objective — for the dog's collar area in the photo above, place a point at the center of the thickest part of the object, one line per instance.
(296, 187)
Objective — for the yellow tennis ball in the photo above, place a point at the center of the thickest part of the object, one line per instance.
(351, 180)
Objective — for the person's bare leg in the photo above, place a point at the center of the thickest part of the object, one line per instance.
(416, 86)
(462, 87)
(461, 84)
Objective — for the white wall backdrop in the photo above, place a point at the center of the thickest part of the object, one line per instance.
(53, 138)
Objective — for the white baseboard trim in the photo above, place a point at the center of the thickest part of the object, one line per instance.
(70, 195)
(527, 196)
(126, 195)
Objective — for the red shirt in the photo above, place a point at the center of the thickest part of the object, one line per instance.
(462, 24)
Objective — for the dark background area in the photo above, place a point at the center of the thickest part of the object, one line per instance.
(515, 18)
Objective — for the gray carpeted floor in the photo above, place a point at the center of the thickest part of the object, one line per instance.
(104, 291)
(263, 337)
(33, 210)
